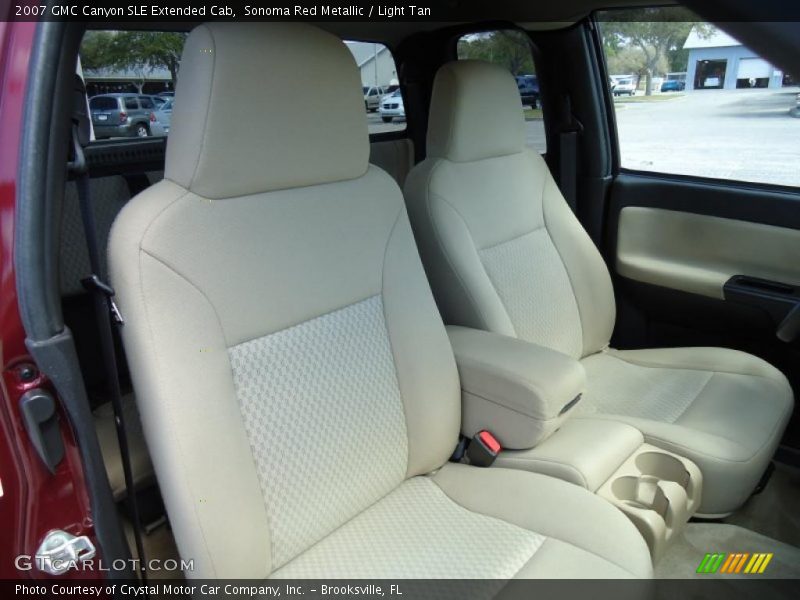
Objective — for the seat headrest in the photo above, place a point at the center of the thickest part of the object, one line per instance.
(476, 112)
(265, 106)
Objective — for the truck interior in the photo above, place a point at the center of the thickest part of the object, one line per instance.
(318, 316)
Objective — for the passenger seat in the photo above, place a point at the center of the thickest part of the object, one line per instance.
(296, 385)
(504, 253)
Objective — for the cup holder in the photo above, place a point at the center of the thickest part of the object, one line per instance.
(663, 466)
(658, 491)
(641, 492)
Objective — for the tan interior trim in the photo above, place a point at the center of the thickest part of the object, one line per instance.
(698, 253)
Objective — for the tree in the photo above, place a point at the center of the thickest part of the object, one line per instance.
(632, 59)
(510, 48)
(140, 51)
(655, 32)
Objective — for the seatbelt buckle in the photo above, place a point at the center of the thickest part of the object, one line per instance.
(93, 283)
(483, 449)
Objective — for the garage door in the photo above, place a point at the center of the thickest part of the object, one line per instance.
(756, 68)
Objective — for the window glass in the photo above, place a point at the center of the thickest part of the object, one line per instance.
(103, 103)
(129, 62)
(692, 100)
(512, 49)
(148, 62)
(378, 77)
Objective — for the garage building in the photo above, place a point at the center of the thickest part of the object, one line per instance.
(719, 61)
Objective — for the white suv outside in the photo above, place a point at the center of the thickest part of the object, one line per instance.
(372, 96)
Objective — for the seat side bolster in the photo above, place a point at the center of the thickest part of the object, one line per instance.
(588, 272)
(555, 558)
(563, 511)
(182, 376)
(464, 293)
(424, 362)
(700, 358)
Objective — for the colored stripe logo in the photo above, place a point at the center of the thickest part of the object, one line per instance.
(734, 563)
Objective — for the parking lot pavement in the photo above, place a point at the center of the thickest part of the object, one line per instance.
(376, 125)
(745, 135)
(534, 135)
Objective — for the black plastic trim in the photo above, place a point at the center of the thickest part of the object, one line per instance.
(42, 174)
(776, 299)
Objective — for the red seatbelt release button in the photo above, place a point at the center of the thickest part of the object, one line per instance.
(483, 450)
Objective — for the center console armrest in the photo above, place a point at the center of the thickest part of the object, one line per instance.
(518, 391)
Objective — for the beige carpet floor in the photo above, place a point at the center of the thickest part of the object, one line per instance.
(159, 545)
(685, 554)
(775, 512)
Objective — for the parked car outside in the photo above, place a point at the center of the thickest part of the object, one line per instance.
(122, 115)
(157, 100)
(673, 85)
(372, 97)
(164, 117)
(392, 107)
(528, 86)
(625, 86)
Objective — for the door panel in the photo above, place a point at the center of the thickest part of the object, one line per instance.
(699, 254)
(678, 248)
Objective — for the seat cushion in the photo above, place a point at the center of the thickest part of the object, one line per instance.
(724, 409)
(470, 523)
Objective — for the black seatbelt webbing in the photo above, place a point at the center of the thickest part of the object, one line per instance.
(567, 168)
(106, 313)
(568, 155)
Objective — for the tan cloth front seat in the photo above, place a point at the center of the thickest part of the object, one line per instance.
(504, 253)
(295, 382)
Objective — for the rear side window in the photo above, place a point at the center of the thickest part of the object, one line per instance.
(148, 62)
(129, 62)
(692, 100)
(378, 75)
(103, 103)
(512, 49)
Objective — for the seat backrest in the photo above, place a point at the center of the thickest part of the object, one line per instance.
(288, 359)
(501, 247)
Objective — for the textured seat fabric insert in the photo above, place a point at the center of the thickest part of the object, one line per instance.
(418, 532)
(322, 408)
(548, 314)
(622, 388)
